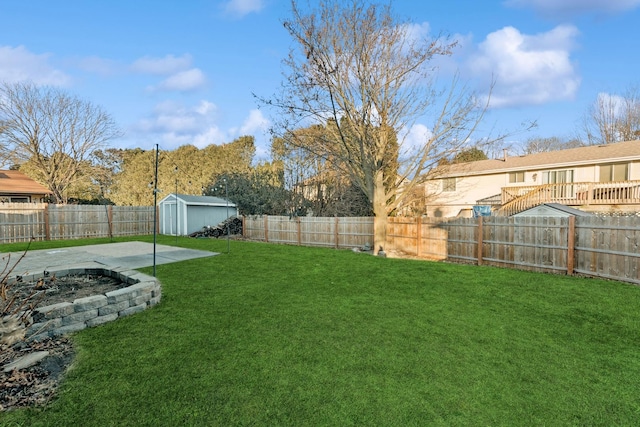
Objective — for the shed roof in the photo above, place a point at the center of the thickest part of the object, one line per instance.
(16, 182)
(559, 208)
(592, 154)
(200, 200)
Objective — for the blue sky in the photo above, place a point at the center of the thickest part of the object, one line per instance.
(183, 72)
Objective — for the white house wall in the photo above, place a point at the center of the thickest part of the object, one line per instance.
(470, 189)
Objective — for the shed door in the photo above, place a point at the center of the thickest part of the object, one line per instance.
(169, 219)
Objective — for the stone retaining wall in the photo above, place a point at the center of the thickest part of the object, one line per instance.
(63, 318)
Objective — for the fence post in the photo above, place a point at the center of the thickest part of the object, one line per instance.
(336, 233)
(299, 230)
(266, 228)
(110, 220)
(571, 243)
(244, 226)
(419, 235)
(479, 239)
(47, 223)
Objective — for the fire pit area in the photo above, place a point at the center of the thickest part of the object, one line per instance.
(135, 293)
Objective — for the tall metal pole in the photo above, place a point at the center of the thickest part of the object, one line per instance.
(176, 197)
(155, 212)
(226, 196)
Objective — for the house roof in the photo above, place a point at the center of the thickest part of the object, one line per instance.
(15, 182)
(200, 200)
(592, 154)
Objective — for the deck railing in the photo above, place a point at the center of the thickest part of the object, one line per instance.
(517, 199)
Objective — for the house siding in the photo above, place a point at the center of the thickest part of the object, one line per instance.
(472, 187)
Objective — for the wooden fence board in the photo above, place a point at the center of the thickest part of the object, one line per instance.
(21, 222)
(402, 235)
(356, 232)
(317, 231)
(433, 240)
(461, 242)
(608, 247)
(335, 232)
(254, 228)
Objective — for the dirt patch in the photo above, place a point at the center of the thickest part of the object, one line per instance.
(37, 384)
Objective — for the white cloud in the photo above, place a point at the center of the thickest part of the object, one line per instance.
(256, 125)
(256, 122)
(528, 69)
(170, 116)
(240, 8)
(205, 108)
(162, 66)
(212, 135)
(174, 124)
(18, 64)
(417, 31)
(183, 81)
(414, 139)
(569, 8)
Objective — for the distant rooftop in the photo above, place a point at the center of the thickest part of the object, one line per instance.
(15, 182)
(599, 154)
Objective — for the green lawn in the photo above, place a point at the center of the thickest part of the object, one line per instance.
(283, 335)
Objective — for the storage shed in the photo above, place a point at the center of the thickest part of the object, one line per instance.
(552, 209)
(182, 215)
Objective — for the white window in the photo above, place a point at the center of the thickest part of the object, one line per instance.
(557, 177)
(516, 177)
(449, 184)
(614, 172)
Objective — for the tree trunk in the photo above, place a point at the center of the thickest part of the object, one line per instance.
(380, 213)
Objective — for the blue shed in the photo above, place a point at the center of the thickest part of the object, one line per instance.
(181, 214)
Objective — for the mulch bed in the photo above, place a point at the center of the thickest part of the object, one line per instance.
(37, 384)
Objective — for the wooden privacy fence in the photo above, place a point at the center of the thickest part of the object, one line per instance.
(335, 232)
(20, 222)
(606, 247)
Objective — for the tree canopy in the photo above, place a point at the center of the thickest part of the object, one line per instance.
(361, 73)
(187, 170)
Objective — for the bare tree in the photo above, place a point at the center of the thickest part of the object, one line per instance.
(540, 145)
(365, 75)
(325, 190)
(53, 133)
(613, 118)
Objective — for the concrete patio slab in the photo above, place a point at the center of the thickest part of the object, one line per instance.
(129, 255)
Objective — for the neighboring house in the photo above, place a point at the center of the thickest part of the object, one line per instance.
(17, 187)
(591, 178)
